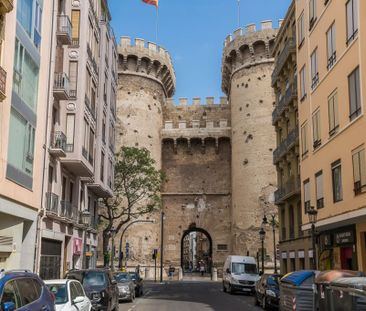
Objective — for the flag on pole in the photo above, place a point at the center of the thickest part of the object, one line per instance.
(152, 2)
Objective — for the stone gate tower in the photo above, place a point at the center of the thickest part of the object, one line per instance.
(246, 80)
(145, 80)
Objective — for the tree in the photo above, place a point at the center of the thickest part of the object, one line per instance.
(137, 185)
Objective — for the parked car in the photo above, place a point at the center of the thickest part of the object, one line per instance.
(240, 274)
(24, 291)
(126, 286)
(267, 291)
(69, 294)
(100, 287)
(139, 283)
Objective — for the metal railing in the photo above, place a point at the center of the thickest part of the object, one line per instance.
(61, 82)
(2, 80)
(52, 202)
(290, 94)
(291, 139)
(73, 94)
(289, 48)
(90, 107)
(291, 186)
(58, 140)
(64, 207)
(64, 26)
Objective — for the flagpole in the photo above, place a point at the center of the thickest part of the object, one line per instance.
(238, 13)
(157, 24)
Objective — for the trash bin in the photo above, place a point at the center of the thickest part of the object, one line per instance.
(348, 294)
(297, 291)
(323, 294)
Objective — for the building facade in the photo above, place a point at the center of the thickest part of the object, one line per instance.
(80, 135)
(294, 246)
(331, 69)
(24, 63)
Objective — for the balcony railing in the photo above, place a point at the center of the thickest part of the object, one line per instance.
(61, 86)
(58, 144)
(65, 208)
(52, 202)
(290, 94)
(73, 94)
(289, 48)
(91, 108)
(64, 29)
(2, 83)
(291, 187)
(290, 141)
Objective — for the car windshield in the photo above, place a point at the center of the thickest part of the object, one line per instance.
(60, 292)
(273, 280)
(241, 268)
(94, 278)
(122, 277)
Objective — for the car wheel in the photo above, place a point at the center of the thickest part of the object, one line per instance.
(223, 287)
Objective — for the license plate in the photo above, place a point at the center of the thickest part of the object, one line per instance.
(247, 290)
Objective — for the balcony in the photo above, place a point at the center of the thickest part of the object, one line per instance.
(6, 6)
(291, 187)
(283, 104)
(58, 144)
(63, 32)
(290, 141)
(2, 84)
(90, 107)
(61, 86)
(66, 211)
(52, 203)
(288, 50)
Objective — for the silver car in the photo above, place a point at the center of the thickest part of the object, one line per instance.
(126, 286)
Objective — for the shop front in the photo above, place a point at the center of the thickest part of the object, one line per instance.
(337, 249)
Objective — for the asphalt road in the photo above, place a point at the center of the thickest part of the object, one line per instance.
(189, 296)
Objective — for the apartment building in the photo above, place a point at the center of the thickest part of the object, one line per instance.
(293, 245)
(331, 40)
(80, 135)
(24, 63)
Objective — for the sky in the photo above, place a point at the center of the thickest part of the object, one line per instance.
(193, 31)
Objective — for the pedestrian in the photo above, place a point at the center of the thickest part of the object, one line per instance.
(202, 268)
(171, 272)
(137, 269)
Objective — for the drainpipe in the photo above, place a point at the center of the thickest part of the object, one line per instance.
(42, 211)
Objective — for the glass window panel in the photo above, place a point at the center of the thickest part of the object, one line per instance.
(319, 186)
(75, 22)
(24, 14)
(17, 136)
(70, 127)
(356, 167)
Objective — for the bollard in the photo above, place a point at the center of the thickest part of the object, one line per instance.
(146, 273)
(180, 274)
(214, 274)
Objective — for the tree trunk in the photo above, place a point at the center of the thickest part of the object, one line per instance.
(106, 253)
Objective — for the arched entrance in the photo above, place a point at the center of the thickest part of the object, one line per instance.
(196, 250)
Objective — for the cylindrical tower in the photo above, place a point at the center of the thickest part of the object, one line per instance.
(246, 79)
(145, 80)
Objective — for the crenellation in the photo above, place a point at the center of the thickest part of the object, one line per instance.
(267, 24)
(198, 102)
(125, 41)
(238, 32)
(210, 101)
(250, 28)
(183, 101)
(224, 101)
(152, 46)
(196, 124)
(280, 21)
(140, 43)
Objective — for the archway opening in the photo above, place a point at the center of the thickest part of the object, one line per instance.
(196, 251)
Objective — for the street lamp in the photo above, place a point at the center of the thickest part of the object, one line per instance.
(123, 232)
(162, 246)
(262, 236)
(85, 220)
(273, 224)
(313, 213)
(112, 231)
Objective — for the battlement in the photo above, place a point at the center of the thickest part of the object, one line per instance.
(148, 59)
(198, 102)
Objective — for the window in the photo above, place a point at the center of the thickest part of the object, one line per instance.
(316, 130)
(70, 129)
(25, 14)
(11, 294)
(111, 171)
(319, 189)
(314, 69)
(86, 139)
(354, 94)
(73, 78)
(71, 192)
(27, 290)
(283, 224)
(359, 170)
(333, 113)
(331, 46)
(312, 13)
(75, 22)
(300, 29)
(104, 128)
(222, 247)
(73, 291)
(337, 181)
(91, 147)
(304, 139)
(306, 195)
(302, 83)
(102, 159)
(291, 216)
(352, 20)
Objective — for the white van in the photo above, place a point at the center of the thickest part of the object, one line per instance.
(240, 274)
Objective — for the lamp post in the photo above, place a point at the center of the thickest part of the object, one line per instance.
(273, 224)
(262, 235)
(162, 246)
(113, 234)
(123, 232)
(85, 219)
(313, 213)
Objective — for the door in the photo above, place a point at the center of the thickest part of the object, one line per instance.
(66, 263)
(85, 305)
(347, 258)
(50, 259)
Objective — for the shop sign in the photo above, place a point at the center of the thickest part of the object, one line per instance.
(300, 254)
(292, 254)
(284, 255)
(345, 237)
(78, 245)
(89, 254)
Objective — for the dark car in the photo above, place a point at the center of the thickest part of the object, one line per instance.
(23, 290)
(100, 287)
(126, 286)
(267, 291)
(139, 283)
